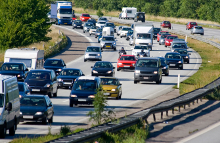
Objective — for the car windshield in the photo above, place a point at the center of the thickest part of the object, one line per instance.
(89, 24)
(179, 45)
(93, 27)
(109, 81)
(86, 15)
(126, 29)
(32, 101)
(108, 39)
(77, 21)
(109, 25)
(65, 11)
(153, 63)
(93, 49)
(99, 30)
(38, 75)
(20, 86)
(101, 22)
(181, 51)
(70, 72)
(103, 65)
(163, 61)
(143, 36)
(127, 58)
(53, 63)
(173, 56)
(141, 47)
(164, 35)
(27, 62)
(85, 85)
(172, 37)
(102, 18)
(130, 31)
(1, 100)
(12, 67)
(156, 30)
(193, 23)
(166, 22)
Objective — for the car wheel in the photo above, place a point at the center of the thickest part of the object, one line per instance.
(71, 104)
(158, 82)
(95, 36)
(188, 62)
(50, 95)
(120, 36)
(3, 132)
(98, 41)
(51, 120)
(89, 34)
(73, 27)
(120, 96)
(117, 97)
(114, 49)
(202, 34)
(83, 31)
(12, 129)
(159, 43)
(165, 46)
(135, 82)
(181, 68)
(44, 121)
(167, 74)
(85, 60)
(118, 69)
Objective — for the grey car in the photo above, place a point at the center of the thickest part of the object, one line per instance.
(87, 26)
(108, 42)
(93, 53)
(197, 30)
(178, 45)
(103, 19)
(98, 32)
(162, 38)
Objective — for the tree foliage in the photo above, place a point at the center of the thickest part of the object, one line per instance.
(23, 22)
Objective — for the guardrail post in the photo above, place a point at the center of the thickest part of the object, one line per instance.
(197, 100)
(179, 108)
(178, 81)
(161, 115)
(189, 104)
(201, 99)
(184, 106)
(193, 102)
(154, 117)
(146, 121)
(173, 111)
(167, 113)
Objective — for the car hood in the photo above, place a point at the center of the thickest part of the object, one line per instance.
(109, 87)
(78, 24)
(139, 50)
(33, 82)
(31, 110)
(93, 53)
(102, 69)
(82, 94)
(67, 77)
(53, 67)
(11, 72)
(108, 41)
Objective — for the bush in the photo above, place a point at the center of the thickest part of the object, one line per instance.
(64, 130)
(99, 13)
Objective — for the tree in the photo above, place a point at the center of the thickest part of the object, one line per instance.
(23, 22)
(99, 13)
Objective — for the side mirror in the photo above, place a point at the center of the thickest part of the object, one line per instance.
(9, 106)
(91, 66)
(113, 67)
(83, 74)
(50, 105)
(120, 84)
(26, 69)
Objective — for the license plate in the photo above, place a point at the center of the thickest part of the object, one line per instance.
(67, 83)
(92, 57)
(126, 66)
(35, 89)
(146, 77)
(108, 46)
(172, 64)
(81, 99)
(28, 117)
(78, 26)
(106, 93)
(65, 23)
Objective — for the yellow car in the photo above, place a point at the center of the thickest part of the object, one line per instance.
(111, 87)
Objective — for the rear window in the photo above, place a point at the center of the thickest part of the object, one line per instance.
(153, 63)
(86, 15)
(129, 11)
(166, 22)
(172, 37)
(193, 23)
(198, 27)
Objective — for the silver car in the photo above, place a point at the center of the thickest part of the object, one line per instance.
(124, 31)
(137, 49)
(93, 53)
(177, 44)
(87, 26)
(197, 30)
(108, 42)
(131, 41)
(103, 19)
(162, 38)
(118, 30)
(100, 24)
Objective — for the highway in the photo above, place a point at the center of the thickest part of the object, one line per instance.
(131, 94)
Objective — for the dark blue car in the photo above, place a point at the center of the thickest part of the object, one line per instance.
(174, 60)
(54, 64)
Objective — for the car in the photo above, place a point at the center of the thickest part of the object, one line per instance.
(197, 30)
(162, 38)
(139, 16)
(159, 34)
(156, 31)
(165, 24)
(36, 108)
(111, 87)
(108, 42)
(148, 69)
(110, 24)
(92, 30)
(137, 49)
(77, 24)
(92, 21)
(67, 77)
(84, 90)
(74, 17)
(103, 19)
(124, 31)
(99, 37)
(54, 64)
(190, 25)
(131, 40)
(169, 40)
(19, 70)
(184, 53)
(98, 32)
(87, 26)
(128, 35)
(84, 17)
(23, 89)
(42, 81)
(100, 24)
(174, 60)
(176, 44)
(165, 67)
(118, 30)
(93, 53)
(103, 68)
(126, 62)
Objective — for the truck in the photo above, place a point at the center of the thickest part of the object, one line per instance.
(61, 12)
(143, 34)
(32, 57)
(9, 105)
(108, 31)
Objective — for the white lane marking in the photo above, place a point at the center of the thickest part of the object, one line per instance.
(65, 100)
(199, 133)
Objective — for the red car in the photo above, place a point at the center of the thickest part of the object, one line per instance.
(126, 62)
(159, 34)
(74, 17)
(84, 17)
(190, 25)
(165, 24)
(169, 39)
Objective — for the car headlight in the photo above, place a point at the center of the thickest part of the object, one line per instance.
(114, 43)
(187, 57)
(19, 75)
(59, 79)
(73, 95)
(119, 63)
(180, 62)
(109, 72)
(87, 54)
(155, 72)
(164, 67)
(20, 113)
(113, 89)
(133, 64)
(149, 43)
(59, 70)
(94, 71)
(20, 96)
(98, 54)
(91, 96)
(74, 24)
(38, 113)
(137, 71)
(47, 85)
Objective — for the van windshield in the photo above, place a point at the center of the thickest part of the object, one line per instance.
(27, 62)
(143, 36)
(147, 63)
(84, 85)
(1, 100)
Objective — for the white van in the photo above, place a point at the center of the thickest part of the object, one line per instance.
(32, 57)
(128, 12)
(108, 31)
(9, 105)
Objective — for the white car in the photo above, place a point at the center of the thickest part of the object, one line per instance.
(100, 24)
(124, 31)
(137, 49)
(92, 30)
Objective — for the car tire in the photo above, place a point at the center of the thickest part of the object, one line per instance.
(71, 104)
(120, 36)
(114, 49)
(118, 69)
(159, 43)
(3, 132)
(85, 60)
(44, 121)
(55, 94)
(50, 95)
(83, 31)
(159, 81)
(165, 45)
(100, 59)
(95, 36)
(135, 82)
(73, 27)
(89, 34)
(120, 96)
(188, 62)
(202, 34)
(98, 41)
(167, 74)
(181, 68)
(12, 129)
(51, 120)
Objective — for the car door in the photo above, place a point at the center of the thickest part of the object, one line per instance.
(49, 107)
(119, 87)
(54, 81)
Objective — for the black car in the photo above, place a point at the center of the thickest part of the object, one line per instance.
(77, 24)
(36, 108)
(103, 68)
(42, 82)
(67, 77)
(23, 89)
(148, 69)
(19, 70)
(55, 64)
(156, 31)
(165, 67)
(98, 32)
(184, 53)
(110, 24)
(139, 16)
(92, 21)
(174, 60)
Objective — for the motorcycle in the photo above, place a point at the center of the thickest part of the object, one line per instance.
(141, 55)
(122, 53)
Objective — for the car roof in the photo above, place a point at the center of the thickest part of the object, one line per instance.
(39, 70)
(197, 26)
(87, 78)
(54, 59)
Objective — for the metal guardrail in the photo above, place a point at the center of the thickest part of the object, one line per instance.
(124, 122)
